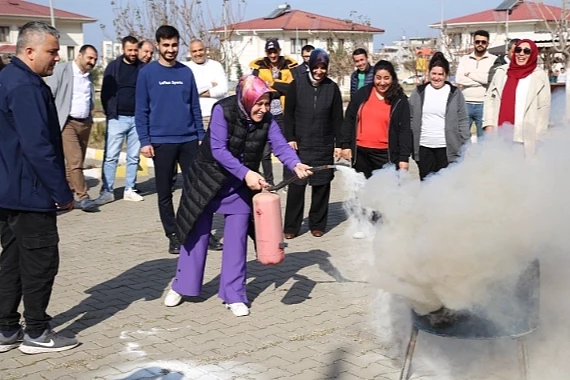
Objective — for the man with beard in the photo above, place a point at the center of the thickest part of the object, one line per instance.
(168, 121)
(472, 77)
(74, 92)
(146, 51)
(118, 100)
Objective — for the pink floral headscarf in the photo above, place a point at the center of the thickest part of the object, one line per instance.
(249, 89)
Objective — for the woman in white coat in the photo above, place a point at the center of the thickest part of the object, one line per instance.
(519, 97)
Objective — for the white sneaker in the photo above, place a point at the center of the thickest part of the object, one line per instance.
(238, 308)
(131, 195)
(172, 298)
(359, 235)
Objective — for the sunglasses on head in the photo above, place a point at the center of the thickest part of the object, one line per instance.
(480, 42)
(526, 51)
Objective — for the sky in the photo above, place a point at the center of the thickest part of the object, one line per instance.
(399, 18)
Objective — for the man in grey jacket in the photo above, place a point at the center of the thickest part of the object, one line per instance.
(72, 87)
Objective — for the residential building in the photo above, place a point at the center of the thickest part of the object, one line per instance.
(408, 54)
(109, 51)
(15, 13)
(510, 19)
(293, 28)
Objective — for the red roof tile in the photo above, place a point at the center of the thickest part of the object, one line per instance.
(302, 20)
(21, 8)
(525, 11)
(7, 49)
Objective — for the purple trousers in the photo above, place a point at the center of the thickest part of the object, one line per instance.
(192, 260)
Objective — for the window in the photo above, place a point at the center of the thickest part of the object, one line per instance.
(297, 45)
(454, 40)
(330, 44)
(4, 34)
(70, 53)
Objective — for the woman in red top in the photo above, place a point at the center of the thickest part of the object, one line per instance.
(376, 129)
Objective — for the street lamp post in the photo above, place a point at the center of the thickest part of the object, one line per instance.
(51, 13)
(442, 28)
(225, 43)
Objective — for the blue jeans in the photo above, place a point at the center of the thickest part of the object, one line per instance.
(475, 114)
(117, 131)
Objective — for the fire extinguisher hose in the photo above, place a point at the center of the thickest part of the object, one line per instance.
(286, 182)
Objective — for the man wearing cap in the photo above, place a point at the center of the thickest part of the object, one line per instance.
(275, 70)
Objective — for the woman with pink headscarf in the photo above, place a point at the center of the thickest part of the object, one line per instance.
(221, 180)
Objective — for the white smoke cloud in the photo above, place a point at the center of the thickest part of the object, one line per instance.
(453, 238)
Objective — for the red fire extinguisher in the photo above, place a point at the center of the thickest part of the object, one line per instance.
(268, 228)
(268, 222)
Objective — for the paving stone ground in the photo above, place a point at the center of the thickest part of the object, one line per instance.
(311, 316)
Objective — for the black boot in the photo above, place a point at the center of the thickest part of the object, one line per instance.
(174, 245)
(214, 244)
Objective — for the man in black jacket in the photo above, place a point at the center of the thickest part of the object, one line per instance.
(33, 188)
(503, 59)
(364, 73)
(303, 68)
(118, 100)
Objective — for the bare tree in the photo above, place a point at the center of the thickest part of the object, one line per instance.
(340, 53)
(451, 45)
(558, 27)
(192, 18)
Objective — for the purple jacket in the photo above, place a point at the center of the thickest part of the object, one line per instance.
(219, 141)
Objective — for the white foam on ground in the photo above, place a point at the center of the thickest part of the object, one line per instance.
(178, 370)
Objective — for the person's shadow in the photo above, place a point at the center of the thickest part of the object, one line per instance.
(264, 276)
(337, 215)
(145, 281)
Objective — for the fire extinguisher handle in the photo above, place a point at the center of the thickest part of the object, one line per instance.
(282, 184)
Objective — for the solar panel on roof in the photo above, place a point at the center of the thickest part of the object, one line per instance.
(276, 13)
(507, 5)
(279, 11)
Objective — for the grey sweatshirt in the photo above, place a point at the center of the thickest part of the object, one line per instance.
(457, 128)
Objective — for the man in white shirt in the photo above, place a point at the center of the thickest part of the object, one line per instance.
(210, 76)
(473, 76)
(74, 93)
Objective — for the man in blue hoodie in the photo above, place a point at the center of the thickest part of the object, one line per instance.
(168, 121)
(33, 188)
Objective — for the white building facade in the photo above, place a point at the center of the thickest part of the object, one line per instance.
(525, 19)
(14, 14)
(247, 39)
